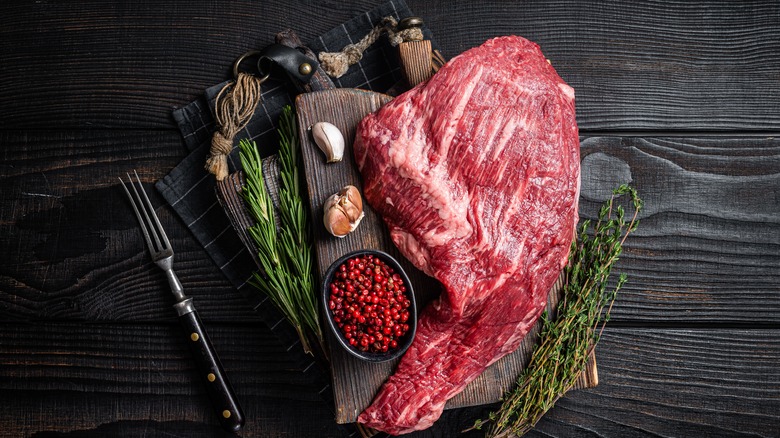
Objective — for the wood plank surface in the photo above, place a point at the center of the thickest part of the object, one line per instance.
(354, 381)
(71, 246)
(656, 382)
(139, 380)
(695, 259)
(88, 343)
(709, 238)
(661, 65)
(653, 65)
(665, 382)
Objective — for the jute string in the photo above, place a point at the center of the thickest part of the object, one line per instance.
(234, 105)
(336, 64)
(236, 101)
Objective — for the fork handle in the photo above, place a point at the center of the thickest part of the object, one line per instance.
(220, 391)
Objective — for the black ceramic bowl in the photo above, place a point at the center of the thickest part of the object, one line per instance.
(404, 342)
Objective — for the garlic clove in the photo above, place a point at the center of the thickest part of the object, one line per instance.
(352, 203)
(354, 224)
(343, 211)
(335, 218)
(329, 139)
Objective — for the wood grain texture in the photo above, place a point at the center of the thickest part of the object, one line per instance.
(118, 380)
(89, 344)
(656, 65)
(230, 199)
(664, 382)
(706, 252)
(71, 246)
(713, 383)
(134, 380)
(354, 382)
(416, 63)
(708, 245)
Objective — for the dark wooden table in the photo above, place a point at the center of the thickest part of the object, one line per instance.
(683, 98)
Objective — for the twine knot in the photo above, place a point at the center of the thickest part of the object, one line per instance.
(336, 64)
(234, 105)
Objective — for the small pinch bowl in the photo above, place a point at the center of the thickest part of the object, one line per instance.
(404, 342)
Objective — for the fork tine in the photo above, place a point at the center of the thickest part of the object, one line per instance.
(143, 209)
(145, 213)
(158, 226)
(140, 218)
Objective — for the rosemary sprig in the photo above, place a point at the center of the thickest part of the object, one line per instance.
(284, 251)
(567, 340)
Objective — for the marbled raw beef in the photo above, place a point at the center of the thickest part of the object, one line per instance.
(476, 174)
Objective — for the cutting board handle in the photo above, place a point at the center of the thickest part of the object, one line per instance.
(416, 55)
(416, 61)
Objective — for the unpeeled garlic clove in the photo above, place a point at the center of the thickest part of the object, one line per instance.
(336, 221)
(329, 139)
(343, 211)
(352, 203)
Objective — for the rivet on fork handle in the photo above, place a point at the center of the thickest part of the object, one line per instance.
(210, 368)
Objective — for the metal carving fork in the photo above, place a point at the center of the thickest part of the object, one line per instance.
(209, 367)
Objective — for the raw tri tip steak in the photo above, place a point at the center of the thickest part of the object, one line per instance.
(476, 174)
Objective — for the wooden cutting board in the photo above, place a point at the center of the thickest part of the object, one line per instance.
(356, 382)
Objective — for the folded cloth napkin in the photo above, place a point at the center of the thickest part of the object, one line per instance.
(190, 189)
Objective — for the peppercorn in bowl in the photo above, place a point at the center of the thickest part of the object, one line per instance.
(369, 305)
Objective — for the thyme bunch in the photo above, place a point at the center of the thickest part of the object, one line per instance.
(567, 340)
(284, 251)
